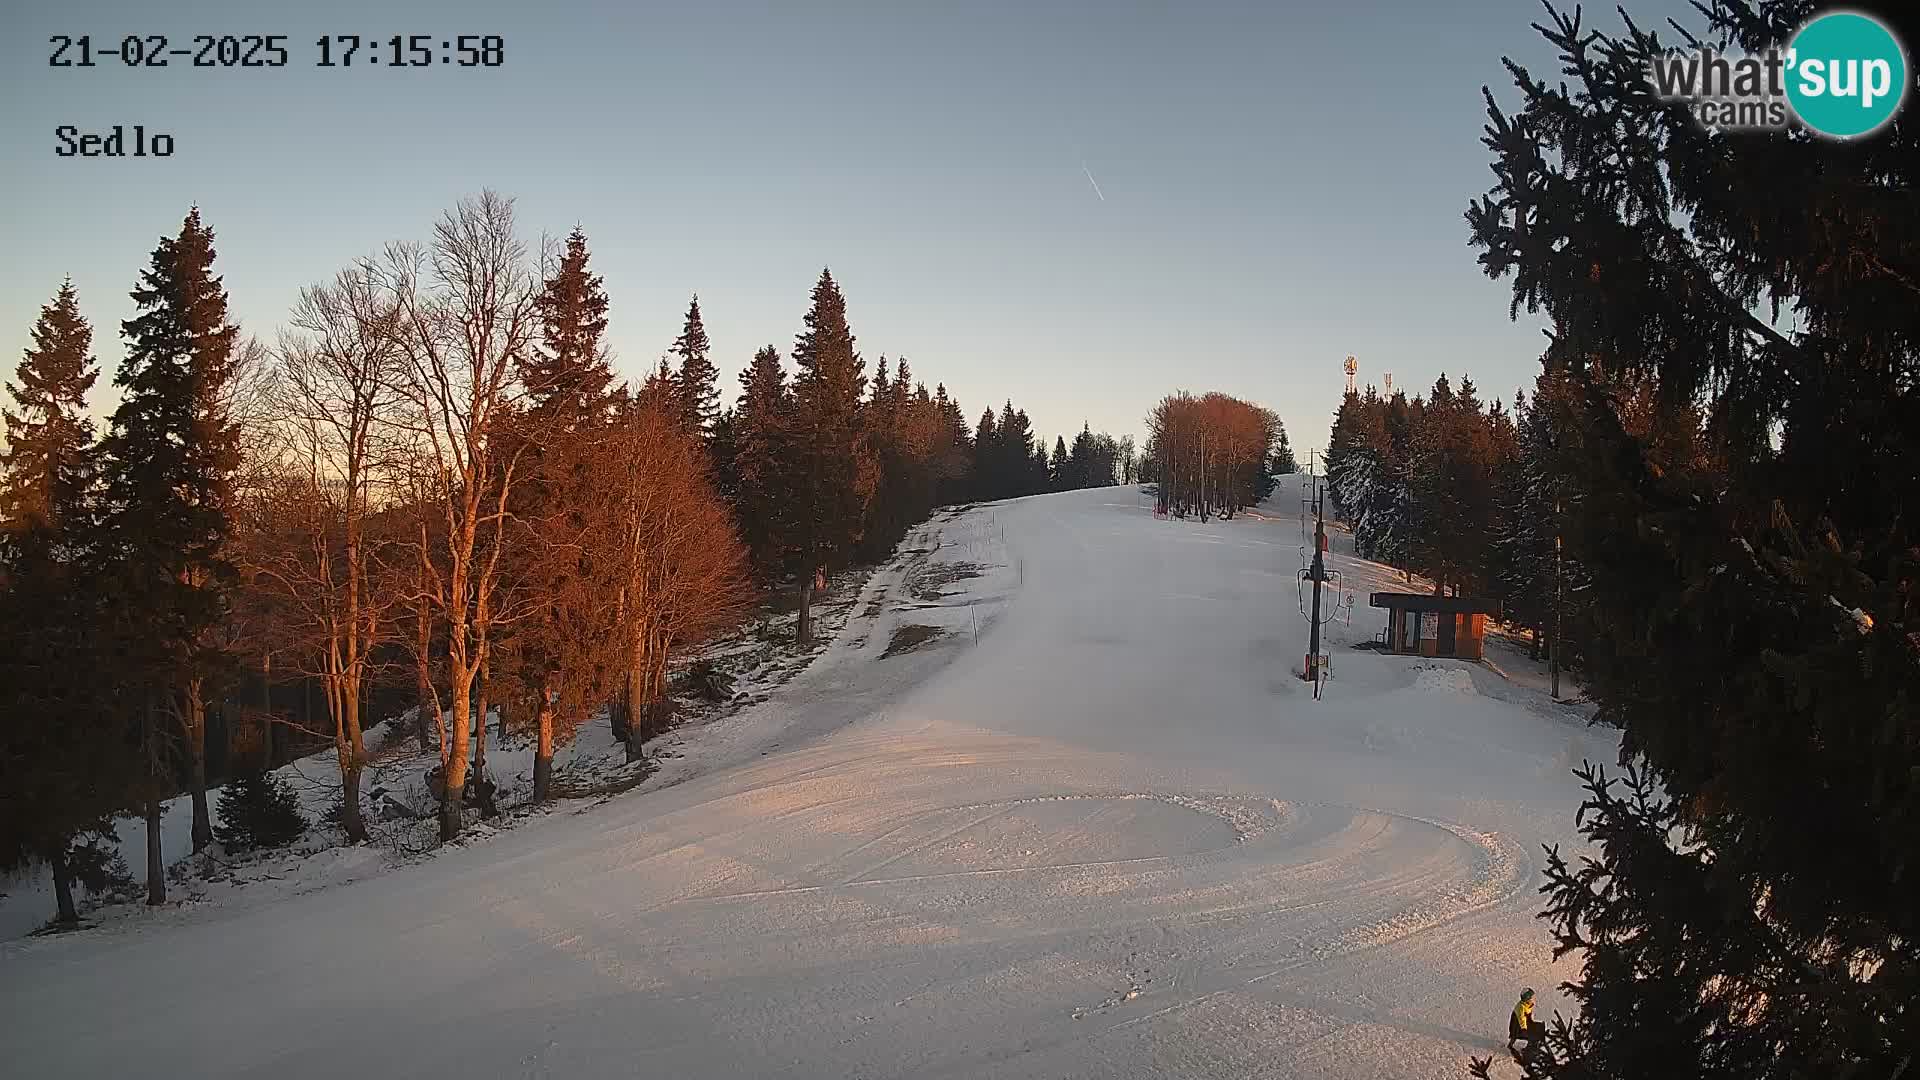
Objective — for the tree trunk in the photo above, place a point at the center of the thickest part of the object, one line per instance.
(454, 771)
(480, 726)
(619, 716)
(156, 873)
(484, 787)
(803, 632)
(352, 762)
(358, 631)
(266, 710)
(350, 816)
(646, 715)
(636, 711)
(65, 913)
(197, 763)
(543, 750)
(423, 677)
(658, 703)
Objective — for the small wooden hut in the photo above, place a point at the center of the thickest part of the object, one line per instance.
(1422, 624)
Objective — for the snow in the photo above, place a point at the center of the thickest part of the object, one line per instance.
(398, 804)
(1095, 825)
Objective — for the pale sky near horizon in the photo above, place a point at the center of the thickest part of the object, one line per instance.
(1278, 185)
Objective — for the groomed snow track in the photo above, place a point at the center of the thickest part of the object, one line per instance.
(1093, 827)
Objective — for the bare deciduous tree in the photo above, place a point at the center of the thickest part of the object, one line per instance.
(681, 566)
(335, 381)
(230, 401)
(1209, 453)
(465, 306)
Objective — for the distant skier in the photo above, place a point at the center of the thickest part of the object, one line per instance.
(1522, 1025)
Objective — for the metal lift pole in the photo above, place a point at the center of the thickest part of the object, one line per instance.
(1319, 575)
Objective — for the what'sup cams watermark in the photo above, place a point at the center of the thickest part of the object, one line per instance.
(1843, 75)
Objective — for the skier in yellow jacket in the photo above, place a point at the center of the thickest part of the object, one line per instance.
(1522, 1025)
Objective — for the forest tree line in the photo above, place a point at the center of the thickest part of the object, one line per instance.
(1723, 441)
(1473, 496)
(431, 483)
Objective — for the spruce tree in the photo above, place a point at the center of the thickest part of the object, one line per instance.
(1016, 469)
(1058, 478)
(1747, 907)
(569, 375)
(880, 439)
(986, 483)
(658, 390)
(170, 455)
(259, 810)
(65, 767)
(46, 465)
(880, 387)
(558, 655)
(697, 384)
(829, 505)
(1452, 478)
(1080, 463)
(762, 465)
(1283, 463)
(722, 447)
(1341, 441)
(1542, 587)
(1361, 483)
(956, 440)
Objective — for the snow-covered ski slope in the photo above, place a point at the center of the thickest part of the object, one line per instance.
(1115, 836)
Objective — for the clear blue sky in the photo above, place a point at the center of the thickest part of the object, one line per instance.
(1282, 187)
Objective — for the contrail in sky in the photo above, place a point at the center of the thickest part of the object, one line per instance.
(1091, 180)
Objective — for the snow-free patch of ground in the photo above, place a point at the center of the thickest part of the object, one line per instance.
(1097, 826)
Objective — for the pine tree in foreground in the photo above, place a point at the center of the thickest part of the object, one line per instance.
(46, 466)
(64, 770)
(170, 456)
(1747, 911)
(560, 654)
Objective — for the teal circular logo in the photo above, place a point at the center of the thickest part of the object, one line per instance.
(1847, 74)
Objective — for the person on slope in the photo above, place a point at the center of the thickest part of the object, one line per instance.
(1522, 1025)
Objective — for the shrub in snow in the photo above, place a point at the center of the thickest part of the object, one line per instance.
(98, 870)
(707, 681)
(259, 811)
